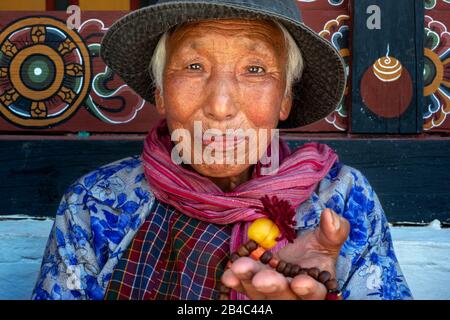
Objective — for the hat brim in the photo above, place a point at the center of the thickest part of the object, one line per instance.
(128, 46)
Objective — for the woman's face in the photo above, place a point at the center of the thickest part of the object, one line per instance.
(224, 74)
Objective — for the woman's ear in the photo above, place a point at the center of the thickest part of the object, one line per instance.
(286, 106)
(159, 101)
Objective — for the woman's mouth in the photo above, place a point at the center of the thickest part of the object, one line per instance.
(224, 142)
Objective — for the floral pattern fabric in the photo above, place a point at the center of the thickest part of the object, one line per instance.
(101, 212)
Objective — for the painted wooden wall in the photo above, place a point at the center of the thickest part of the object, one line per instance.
(101, 102)
(387, 67)
(63, 112)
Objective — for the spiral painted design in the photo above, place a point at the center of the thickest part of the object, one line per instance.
(387, 69)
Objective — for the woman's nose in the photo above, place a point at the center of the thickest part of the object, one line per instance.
(221, 103)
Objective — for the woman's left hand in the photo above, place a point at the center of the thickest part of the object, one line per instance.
(318, 248)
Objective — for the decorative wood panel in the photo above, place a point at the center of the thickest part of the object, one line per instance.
(52, 78)
(437, 66)
(331, 19)
(387, 66)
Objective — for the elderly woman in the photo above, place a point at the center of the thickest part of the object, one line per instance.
(174, 223)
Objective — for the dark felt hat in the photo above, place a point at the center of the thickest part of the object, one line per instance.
(128, 46)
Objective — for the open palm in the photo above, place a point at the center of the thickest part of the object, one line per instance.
(317, 248)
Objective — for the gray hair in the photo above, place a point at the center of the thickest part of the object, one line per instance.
(294, 65)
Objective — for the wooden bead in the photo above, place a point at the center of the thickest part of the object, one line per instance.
(331, 284)
(281, 266)
(251, 245)
(314, 272)
(295, 270)
(256, 254)
(265, 258)
(303, 271)
(274, 262)
(287, 269)
(243, 252)
(234, 257)
(324, 276)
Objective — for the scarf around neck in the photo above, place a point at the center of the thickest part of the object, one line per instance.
(196, 196)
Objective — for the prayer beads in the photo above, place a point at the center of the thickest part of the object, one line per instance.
(252, 249)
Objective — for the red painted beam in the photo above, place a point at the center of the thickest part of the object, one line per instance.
(135, 4)
(51, 5)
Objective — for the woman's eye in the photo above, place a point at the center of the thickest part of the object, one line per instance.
(256, 69)
(195, 66)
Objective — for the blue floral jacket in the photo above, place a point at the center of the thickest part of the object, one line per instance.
(101, 212)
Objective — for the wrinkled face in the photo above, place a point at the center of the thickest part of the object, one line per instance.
(226, 74)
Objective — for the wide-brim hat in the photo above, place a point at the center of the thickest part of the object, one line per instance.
(128, 46)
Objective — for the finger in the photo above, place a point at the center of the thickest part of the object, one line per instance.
(273, 285)
(230, 280)
(333, 230)
(244, 269)
(306, 288)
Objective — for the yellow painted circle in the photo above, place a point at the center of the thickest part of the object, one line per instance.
(17, 82)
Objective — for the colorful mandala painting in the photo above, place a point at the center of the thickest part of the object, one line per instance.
(337, 32)
(45, 72)
(436, 73)
(48, 72)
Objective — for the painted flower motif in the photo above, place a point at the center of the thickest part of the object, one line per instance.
(66, 94)
(9, 49)
(9, 97)
(74, 69)
(106, 84)
(38, 34)
(66, 46)
(436, 73)
(337, 32)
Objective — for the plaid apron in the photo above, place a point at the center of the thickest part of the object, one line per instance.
(172, 256)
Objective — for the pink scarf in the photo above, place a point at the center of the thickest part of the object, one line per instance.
(198, 197)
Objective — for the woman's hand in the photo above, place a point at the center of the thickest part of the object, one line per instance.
(318, 248)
